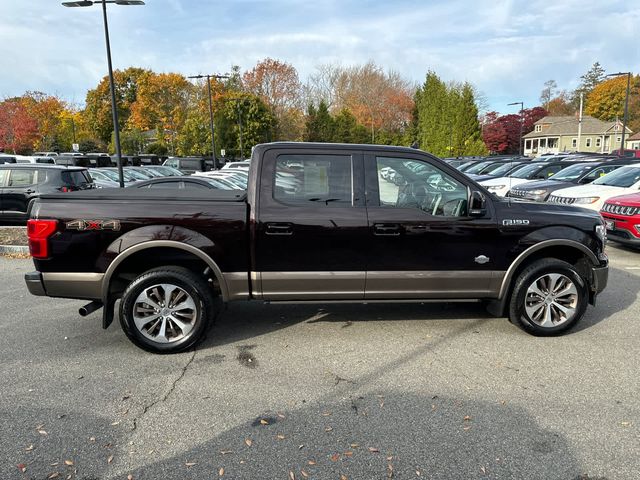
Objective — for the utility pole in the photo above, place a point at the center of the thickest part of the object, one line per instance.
(211, 123)
(520, 150)
(580, 121)
(626, 107)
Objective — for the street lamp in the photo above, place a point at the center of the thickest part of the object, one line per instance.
(521, 123)
(114, 109)
(211, 125)
(626, 106)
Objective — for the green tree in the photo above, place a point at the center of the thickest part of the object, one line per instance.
(434, 117)
(319, 124)
(467, 131)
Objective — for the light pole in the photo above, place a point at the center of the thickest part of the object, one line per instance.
(520, 150)
(626, 107)
(114, 109)
(211, 124)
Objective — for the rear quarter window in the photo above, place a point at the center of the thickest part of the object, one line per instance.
(75, 177)
(191, 164)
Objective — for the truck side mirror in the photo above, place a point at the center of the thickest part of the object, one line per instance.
(478, 204)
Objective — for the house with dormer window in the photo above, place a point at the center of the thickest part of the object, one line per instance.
(555, 134)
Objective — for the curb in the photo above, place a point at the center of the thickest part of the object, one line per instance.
(13, 249)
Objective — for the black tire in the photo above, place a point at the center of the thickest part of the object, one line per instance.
(184, 282)
(548, 319)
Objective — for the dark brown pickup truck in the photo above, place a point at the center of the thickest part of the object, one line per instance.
(318, 222)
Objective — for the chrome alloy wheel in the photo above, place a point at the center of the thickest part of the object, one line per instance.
(551, 300)
(164, 313)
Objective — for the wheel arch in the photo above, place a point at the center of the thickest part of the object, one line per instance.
(567, 250)
(139, 248)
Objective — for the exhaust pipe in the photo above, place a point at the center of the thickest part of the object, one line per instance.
(89, 308)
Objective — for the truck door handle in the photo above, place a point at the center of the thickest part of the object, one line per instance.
(388, 229)
(279, 229)
(29, 191)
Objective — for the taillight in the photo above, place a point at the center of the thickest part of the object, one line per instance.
(65, 189)
(39, 232)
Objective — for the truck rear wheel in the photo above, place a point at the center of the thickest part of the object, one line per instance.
(167, 310)
(549, 297)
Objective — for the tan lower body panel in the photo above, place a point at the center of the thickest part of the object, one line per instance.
(73, 285)
(312, 285)
(379, 285)
(433, 284)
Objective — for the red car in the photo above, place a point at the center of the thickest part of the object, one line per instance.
(622, 219)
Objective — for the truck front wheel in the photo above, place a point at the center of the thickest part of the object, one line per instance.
(549, 297)
(167, 310)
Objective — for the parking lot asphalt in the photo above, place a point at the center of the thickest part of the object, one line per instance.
(438, 391)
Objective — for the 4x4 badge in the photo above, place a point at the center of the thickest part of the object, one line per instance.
(83, 225)
(481, 259)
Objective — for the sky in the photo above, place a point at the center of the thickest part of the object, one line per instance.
(506, 48)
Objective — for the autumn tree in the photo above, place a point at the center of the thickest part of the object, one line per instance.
(278, 85)
(550, 87)
(161, 103)
(501, 133)
(561, 105)
(18, 129)
(97, 113)
(606, 100)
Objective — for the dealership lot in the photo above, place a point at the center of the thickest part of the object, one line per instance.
(374, 391)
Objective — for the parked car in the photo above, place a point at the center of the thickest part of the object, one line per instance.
(127, 161)
(80, 160)
(619, 182)
(111, 174)
(498, 169)
(185, 182)
(526, 173)
(7, 159)
(34, 159)
(229, 176)
(22, 184)
(189, 165)
(244, 165)
(45, 154)
(103, 179)
(621, 216)
(578, 174)
(163, 170)
(167, 257)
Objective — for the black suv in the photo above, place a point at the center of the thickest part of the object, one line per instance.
(21, 184)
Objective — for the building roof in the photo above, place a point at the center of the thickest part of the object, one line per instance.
(635, 137)
(568, 125)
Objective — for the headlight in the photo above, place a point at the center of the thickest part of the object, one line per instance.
(536, 192)
(586, 200)
(601, 232)
(495, 187)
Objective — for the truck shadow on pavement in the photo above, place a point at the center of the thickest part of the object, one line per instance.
(374, 435)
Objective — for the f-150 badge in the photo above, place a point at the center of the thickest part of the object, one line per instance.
(516, 221)
(84, 225)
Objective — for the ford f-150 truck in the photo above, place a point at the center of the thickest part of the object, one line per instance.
(317, 223)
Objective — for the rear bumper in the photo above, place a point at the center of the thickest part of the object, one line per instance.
(82, 285)
(34, 283)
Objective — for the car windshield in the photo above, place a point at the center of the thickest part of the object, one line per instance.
(504, 169)
(572, 173)
(136, 175)
(477, 167)
(622, 177)
(110, 174)
(525, 171)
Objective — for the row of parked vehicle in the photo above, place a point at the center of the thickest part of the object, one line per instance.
(606, 183)
(23, 179)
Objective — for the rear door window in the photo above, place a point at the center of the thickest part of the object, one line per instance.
(320, 180)
(22, 177)
(3, 177)
(174, 185)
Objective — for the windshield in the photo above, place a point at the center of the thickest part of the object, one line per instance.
(477, 167)
(525, 171)
(505, 168)
(622, 177)
(136, 175)
(573, 172)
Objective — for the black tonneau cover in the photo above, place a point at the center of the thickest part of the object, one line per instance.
(159, 194)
